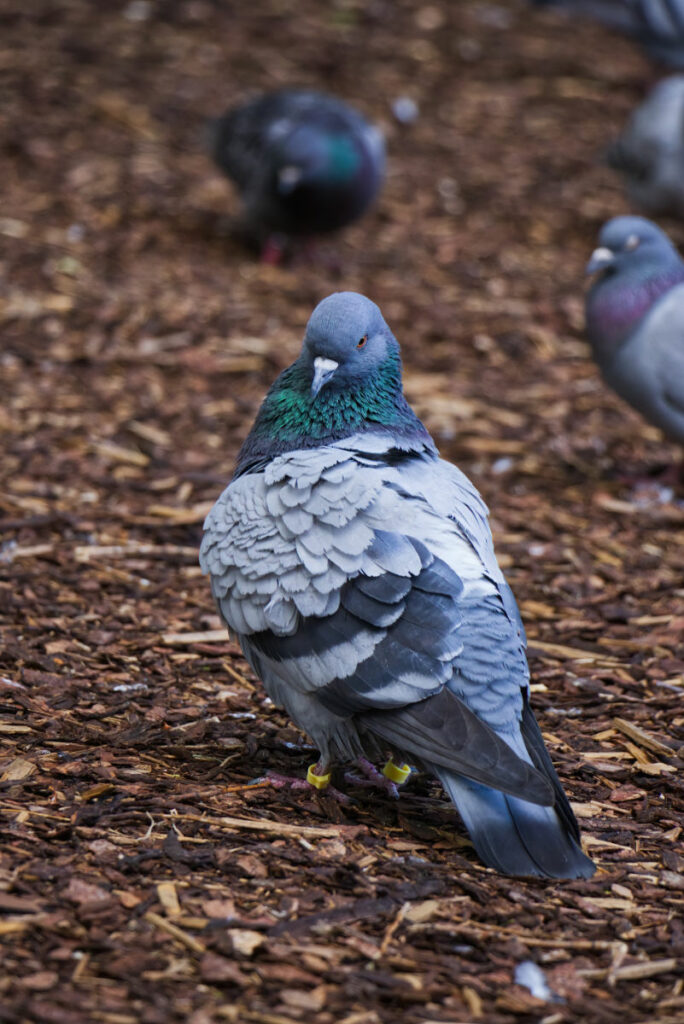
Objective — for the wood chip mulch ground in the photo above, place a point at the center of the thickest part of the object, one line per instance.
(142, 878)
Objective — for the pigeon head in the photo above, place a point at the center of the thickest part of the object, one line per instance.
(635, 264)
(310, 156)
(633, 245)
(346, 381)
(347, 342)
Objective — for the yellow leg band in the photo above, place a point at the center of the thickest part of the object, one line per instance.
(319, 781)
(396, 773)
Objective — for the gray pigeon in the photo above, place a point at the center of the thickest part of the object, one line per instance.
(658, 25)
(305, 163)
(357, 570)
(650, 152)
(635, 319)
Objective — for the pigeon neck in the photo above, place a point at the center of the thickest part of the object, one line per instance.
(616, 305)
(343, 159)
(323, 159)
(290, 418)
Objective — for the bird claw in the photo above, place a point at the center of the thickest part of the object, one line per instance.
(273, 251)
(279, 781)
(374, 779)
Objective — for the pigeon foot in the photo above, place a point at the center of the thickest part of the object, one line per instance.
(389, 779)
(314, 780)
(273, 251)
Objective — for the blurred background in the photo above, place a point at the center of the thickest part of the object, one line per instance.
(124, 293)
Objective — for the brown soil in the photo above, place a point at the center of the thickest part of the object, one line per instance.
(140, 880)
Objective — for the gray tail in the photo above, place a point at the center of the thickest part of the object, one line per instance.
(622, 155)
(514, 836)
(211, 135)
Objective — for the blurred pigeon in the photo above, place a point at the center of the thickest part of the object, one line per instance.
(658, 25)
(650, 152)
(305, 163)
(357, 570)
(635, 319)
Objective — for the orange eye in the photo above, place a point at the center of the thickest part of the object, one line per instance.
(363, 341)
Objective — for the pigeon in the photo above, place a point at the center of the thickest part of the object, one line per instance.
(658, 25)
(305, 163)
(650, 151)
(357, 571)
(635, 318)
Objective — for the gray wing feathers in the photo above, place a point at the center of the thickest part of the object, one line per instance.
(443, 731)
(648, 371)
(282, 546)
(666, 333)
(276, 534)
(366, 596)
(272, 557)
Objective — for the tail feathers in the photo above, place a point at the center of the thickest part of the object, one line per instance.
(211, 133)
(514, 836)
(622, 156)
(536, 749)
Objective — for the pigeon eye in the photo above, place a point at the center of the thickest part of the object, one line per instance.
(632, 243)
(362, 342)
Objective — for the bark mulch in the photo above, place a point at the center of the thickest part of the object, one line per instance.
(141, 878)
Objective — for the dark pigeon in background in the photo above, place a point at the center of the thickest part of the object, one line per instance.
(357, 570)
(658, 25)
(635, 319)
(650, 152)
(305, 164)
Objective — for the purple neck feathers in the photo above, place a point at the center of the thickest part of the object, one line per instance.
(615, 307)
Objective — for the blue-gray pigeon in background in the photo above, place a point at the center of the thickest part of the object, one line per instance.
(658, 25)
(650, 152)
(635, 319)
(357, 570)
(304, 163)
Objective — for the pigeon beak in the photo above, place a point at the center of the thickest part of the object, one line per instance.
(600, 259)
(323, 371)
(288, 179)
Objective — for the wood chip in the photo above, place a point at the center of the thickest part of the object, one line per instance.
(10, 927)
(472, 1000)
(89, 552)
(30, 551)
(285, 829)
(642, 737)
(638, 971)
(245, 941)
(117, 453)
(176, 933)
(208, 636)
(571, 653)
(418, 912)
(18, 770)
(181, 516)
(149, 432)
(168, 897)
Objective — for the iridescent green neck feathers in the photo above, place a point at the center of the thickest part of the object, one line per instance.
(291, 418)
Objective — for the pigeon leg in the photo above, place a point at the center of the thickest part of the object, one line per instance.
(658, 488)
(313, 252)
(316, 778)
(273, 250)
(388, 779)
